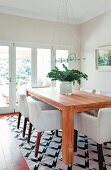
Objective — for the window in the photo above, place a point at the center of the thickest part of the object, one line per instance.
(23, 67)
(43, 63)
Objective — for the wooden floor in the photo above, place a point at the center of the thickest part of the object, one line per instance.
(10, 156)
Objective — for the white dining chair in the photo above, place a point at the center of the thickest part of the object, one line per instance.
(93, 91)
(96, 128)
(23, 110)
(43, 119)
(77, 119)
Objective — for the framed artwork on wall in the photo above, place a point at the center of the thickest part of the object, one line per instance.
(103, 58)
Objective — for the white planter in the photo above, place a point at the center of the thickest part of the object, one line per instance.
(65, 87)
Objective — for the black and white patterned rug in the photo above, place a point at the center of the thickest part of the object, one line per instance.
(50, 150)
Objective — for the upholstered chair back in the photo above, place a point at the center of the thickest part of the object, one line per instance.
(104, 123)
(43, 117)
(88, 90)
(23, 105)
(105, 93)
(97, 128)
(34, 111)
(91, 112)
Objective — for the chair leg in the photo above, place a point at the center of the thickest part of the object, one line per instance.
(29, 132)
(105, 144)
(86, 153)
(56, 132)
(25, 124)
(39, 134)
(69, 167)
(101, 160)
(75, 140)
(18, 123)
(52, 132)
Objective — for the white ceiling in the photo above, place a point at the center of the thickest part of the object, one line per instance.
(76, 11)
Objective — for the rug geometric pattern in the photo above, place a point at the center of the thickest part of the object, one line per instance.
(50, 150)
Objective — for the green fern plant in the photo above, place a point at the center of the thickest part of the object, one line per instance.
(67, 75)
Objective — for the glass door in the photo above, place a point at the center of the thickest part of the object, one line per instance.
(15, 75)
(5, 80)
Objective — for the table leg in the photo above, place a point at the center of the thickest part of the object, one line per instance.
(68, 135)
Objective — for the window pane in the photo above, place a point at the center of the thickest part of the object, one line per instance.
(43, 63)
(61, 58)
(23, 67)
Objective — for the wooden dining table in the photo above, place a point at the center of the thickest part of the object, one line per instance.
(78, 101)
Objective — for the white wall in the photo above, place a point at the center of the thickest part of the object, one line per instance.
(32, 30)
(21, 29)
(95, 33)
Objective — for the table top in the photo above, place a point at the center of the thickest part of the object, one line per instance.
(80, 101)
